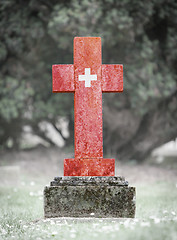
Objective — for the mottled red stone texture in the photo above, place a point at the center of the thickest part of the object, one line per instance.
(88, 135)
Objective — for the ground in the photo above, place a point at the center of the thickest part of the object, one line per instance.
(24, 174)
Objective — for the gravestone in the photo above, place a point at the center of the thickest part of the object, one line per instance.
(89, 187)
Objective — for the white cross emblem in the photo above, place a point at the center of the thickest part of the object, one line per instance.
(87, 77)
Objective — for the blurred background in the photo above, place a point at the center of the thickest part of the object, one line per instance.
(37, 126)
(141, 35)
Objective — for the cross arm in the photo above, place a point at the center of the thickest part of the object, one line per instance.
(112, 78)
(63, 78)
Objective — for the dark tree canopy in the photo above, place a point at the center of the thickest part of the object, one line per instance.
(141, 35)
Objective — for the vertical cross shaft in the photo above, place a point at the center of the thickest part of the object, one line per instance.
(88, 78)
(88, 100)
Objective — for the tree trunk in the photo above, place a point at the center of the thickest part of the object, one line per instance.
(156, 127)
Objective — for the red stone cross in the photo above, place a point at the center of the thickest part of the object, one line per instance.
(87, 78)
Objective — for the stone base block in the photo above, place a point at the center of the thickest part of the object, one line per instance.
(89, 197)
(89, 167)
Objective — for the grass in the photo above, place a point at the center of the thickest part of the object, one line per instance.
(21, 216)
(21, 202)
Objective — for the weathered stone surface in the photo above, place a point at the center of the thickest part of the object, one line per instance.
(89, 167)
(84, 181)
(101, 195)
(88, 78)
(89, 197)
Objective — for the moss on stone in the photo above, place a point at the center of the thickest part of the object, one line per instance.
(80, 201)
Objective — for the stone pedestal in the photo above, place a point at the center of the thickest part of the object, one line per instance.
(89, 197)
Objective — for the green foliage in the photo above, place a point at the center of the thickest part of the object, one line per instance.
(128, 31)
(36, 34)
(3, 52)
(15, 95)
